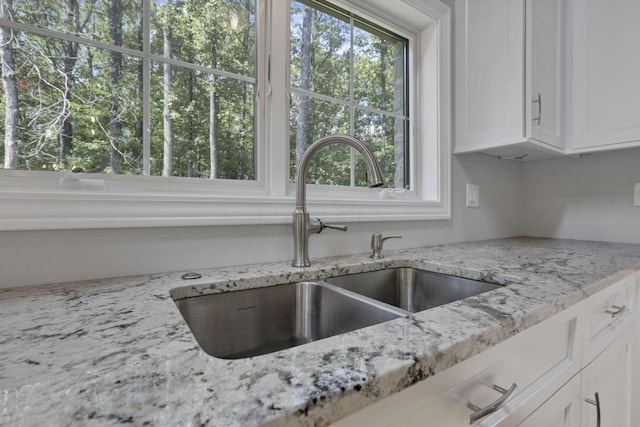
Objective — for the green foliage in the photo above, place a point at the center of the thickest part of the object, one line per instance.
(78, 102)
(68, 88)
(369, 112)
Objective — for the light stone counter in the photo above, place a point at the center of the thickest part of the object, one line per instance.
(118, 351)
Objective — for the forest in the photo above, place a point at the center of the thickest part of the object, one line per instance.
(169, 88)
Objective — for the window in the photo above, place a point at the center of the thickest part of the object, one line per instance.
(348, 75)
(130, 87)
(143, 113)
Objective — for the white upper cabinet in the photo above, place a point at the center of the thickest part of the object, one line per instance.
(603, 82)
(508, 80)
(545, 56)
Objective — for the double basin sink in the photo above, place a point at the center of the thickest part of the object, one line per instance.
(253, 322)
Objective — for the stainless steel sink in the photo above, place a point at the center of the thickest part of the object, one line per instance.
(252, 322)
(411, 289)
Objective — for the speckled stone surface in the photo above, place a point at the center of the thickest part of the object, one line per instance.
(118, 351)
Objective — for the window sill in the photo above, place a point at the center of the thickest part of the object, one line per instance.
(89, 206)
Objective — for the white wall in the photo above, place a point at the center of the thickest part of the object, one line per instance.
(37, 257)
(590, 198)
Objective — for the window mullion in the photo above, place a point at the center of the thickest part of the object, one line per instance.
(277, 103)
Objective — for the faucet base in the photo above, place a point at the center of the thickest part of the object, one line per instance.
(302, 226)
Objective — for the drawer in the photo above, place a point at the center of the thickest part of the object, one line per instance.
(539, 362)
(609, 313)
(537, 369)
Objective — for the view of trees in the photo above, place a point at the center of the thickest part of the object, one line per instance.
(75, 99)
(168, 87)
(347, 76)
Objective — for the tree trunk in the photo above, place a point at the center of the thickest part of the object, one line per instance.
(213, 121)
(115, 64)
(248, 109)
(167, 161)
(213, 130)
(66, 132)
(400, 134)
(242, 156)
(11, 133)
(190, 121)
(65, 138)
(139, 129)
(305, 69)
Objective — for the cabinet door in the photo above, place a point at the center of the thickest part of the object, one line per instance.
(605, 87)
(561, 410)
(489, 73)
(545, 23)
(608, 315)
(635, 363)
(609, 375)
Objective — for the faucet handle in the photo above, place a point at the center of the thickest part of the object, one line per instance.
(335, 227)
(331, 226)
(377, 240)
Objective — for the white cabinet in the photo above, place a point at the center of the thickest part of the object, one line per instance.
(562, 409)
(609, 376)
(523, 372)
(608, 356)
(555, 365)
(545, 65)
(538, 361)
(603, 110)
(508, 79)
(635, 350)
(543, 78)
(607, 316)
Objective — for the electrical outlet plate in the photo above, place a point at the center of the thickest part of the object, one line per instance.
(636, 194)
(473, 196)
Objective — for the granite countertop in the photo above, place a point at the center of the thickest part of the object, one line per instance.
(118, 351)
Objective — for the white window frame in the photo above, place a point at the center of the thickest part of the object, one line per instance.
(31, 200)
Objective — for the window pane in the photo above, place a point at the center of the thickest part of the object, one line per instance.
(320, 45)
(86, 18)
(332, 78)
(312, 119)
(386, 137)
(80, 112)
(219, 34)
(379, 71)
(78, 107)
(187, 126)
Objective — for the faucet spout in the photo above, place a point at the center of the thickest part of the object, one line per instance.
(376, 177)
(302, 225)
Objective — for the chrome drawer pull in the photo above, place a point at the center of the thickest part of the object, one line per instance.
(615, 310)
(492, 407)
(595, 403)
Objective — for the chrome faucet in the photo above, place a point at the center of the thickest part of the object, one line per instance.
(303, 226)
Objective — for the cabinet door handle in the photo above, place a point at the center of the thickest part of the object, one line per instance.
(595, 403)
(539, 101)
(492, 407)
(615, 310)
